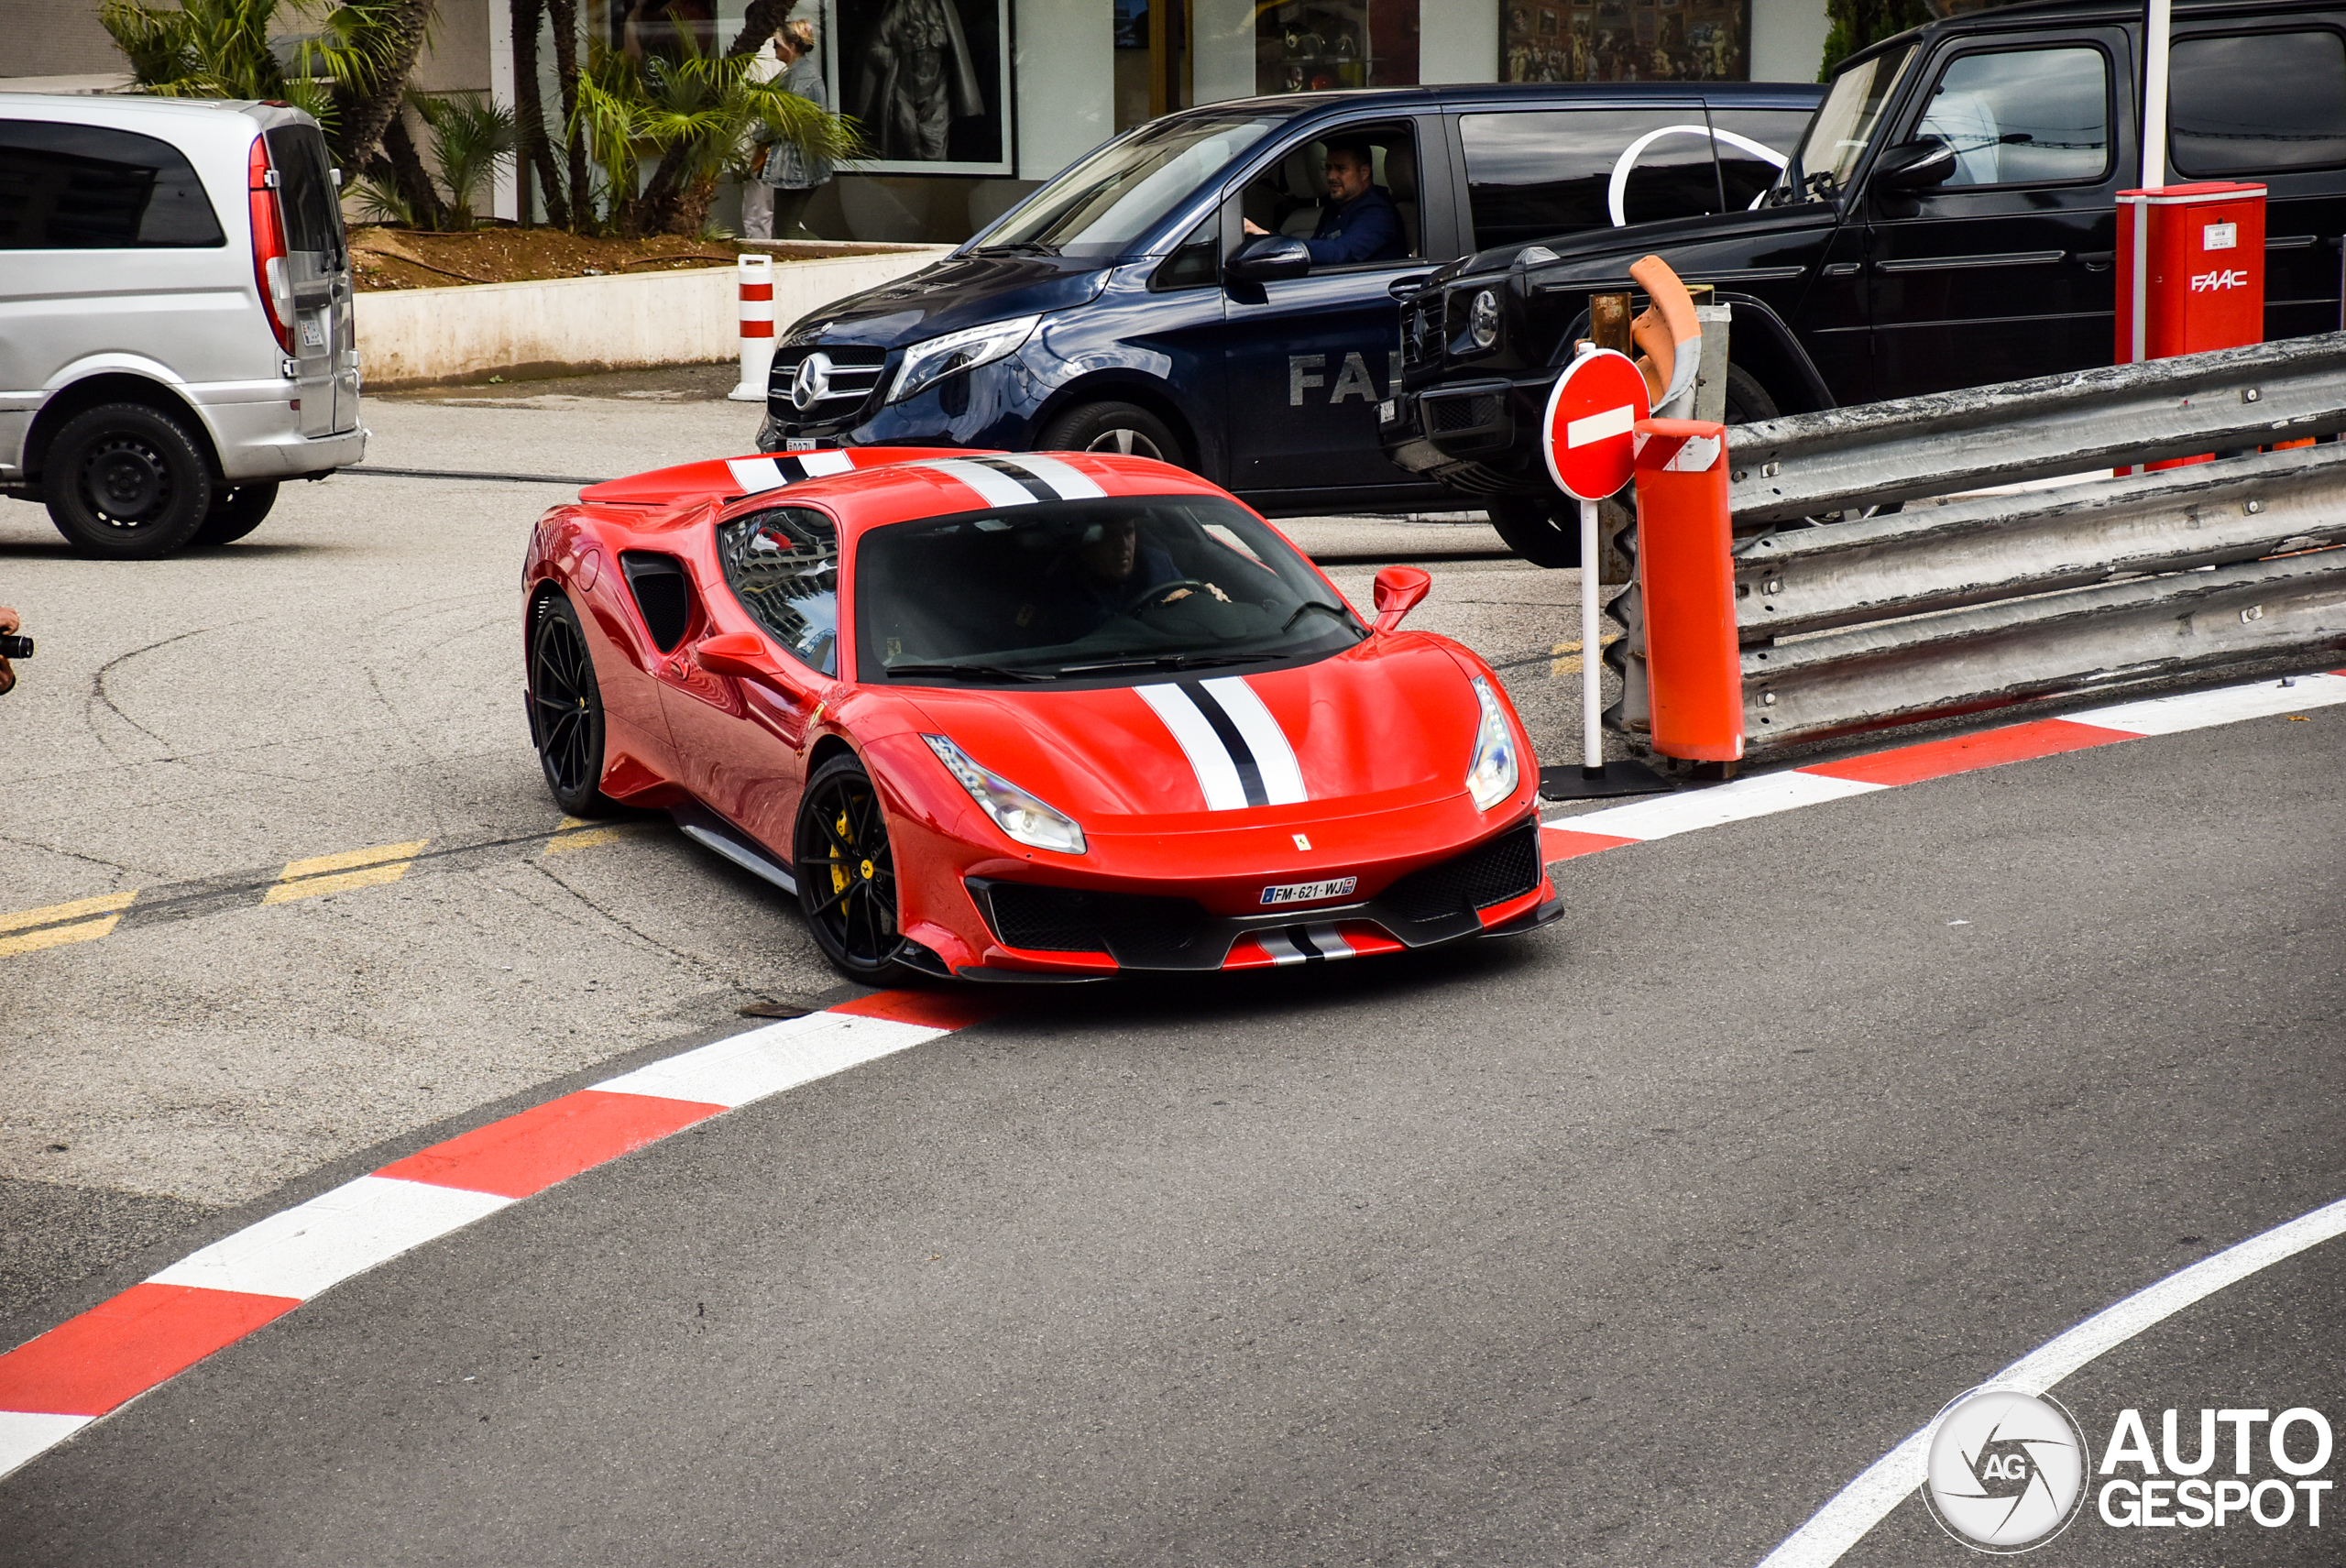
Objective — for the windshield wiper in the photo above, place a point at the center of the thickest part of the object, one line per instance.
(967, 672)
(1168, 662)
(1017, 248)
(1336, 610)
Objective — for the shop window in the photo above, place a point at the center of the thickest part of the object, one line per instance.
(2037, 116)
(1624, 40)
(2259, 104)
(1318, 45)
(1532, 176)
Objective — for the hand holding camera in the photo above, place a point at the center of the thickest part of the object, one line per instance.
(11, 647)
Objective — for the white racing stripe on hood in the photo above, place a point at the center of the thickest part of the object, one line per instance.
(1209, 758)
(755, 475)
(1071, 483)
(822, 464)
(993, 486)
(1282, 777)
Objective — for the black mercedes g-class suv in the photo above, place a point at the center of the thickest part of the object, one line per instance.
(1949, 221)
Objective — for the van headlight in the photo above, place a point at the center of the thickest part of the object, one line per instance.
(926, 364)
(1483, 319)
(1492, 776)
(1015, 812)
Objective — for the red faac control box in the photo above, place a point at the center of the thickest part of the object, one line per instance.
(2201, 250)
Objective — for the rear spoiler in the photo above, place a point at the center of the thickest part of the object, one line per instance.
(724, 479)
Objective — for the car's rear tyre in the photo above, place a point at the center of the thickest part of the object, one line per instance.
(567, 708)
(847, 874)
(127, 482)
(1747, 401)
(234, 513)
(1127, 428)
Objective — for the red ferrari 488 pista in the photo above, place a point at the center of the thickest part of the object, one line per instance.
(1026, 717)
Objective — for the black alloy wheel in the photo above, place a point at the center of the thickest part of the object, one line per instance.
(567, 708)
(1125, 428)
(1545, 530)
(846, 875)
(127, 482)
(236, 513)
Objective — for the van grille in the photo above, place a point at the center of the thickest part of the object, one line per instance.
(855, 374)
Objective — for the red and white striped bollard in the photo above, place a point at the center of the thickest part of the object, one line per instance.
(756, 278)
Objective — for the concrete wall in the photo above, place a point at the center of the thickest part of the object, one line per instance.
(1787, 40)
(1458, 40)
(55, 38)
(1064, 75)
(411, 335)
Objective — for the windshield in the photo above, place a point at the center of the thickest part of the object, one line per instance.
(1844, 123)
(1087, 590)
(1122, 191)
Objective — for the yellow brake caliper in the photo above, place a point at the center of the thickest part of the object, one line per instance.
(839, 866)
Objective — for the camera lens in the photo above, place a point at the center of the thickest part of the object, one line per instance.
(15, 647)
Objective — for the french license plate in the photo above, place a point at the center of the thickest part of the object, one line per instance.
(798, 444)
(1385, 412)
(1309, 891)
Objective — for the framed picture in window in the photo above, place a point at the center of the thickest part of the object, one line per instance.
(927, 81)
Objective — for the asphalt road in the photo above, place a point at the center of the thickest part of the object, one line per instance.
(1630, 1242)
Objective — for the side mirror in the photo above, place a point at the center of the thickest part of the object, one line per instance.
(737, 653)
(1269, 260)
(1914, 165)
(1398, 591)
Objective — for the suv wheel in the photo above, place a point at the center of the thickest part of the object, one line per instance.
(236, 513)
(128, 482)
(1114, 427)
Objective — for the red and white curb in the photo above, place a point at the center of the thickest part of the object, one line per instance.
(1764, 795)
(52, 1386)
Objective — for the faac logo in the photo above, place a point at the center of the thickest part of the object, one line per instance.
(2006, 1471)
(2226, 278)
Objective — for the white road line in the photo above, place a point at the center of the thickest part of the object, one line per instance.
(300, 1251)
(27, 1435)
(1760, 795)
(2202, 711)
(1866, 1501)
(765, 1061)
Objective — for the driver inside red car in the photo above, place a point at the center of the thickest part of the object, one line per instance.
(1107, 574)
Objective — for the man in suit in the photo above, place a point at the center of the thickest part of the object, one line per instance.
(1359, 222)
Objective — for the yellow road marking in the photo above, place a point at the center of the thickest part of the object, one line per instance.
(58, 935)
(1570, 663)
(586, 837)
(353, 868)
(56, 912)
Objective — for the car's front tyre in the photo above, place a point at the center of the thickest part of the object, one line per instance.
(567, 708)
(847, 874)
(1119, 427)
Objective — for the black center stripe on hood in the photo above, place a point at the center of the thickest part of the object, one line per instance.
(1237, 750)
(1250, 772)
(1021, 480)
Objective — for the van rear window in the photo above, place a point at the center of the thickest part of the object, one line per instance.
(67, 187)
(305, 188)
(2258, 103)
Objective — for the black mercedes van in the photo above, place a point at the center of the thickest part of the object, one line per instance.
(1124, 306)
(1949, 221)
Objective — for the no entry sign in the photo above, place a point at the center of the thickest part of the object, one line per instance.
(1597, 404)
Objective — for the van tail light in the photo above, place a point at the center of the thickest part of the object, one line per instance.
(269, 261)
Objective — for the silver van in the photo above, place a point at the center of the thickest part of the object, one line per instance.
(175, 321)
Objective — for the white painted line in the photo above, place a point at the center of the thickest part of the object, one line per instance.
(766, 1061)
(25, 1435)
(313, 1245)
(1866, 1501)
(1762, 795)
(2229, 705)
(1600, 426)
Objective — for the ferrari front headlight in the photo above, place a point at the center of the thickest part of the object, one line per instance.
(926, 364)
(1016, 813)
(1492, 776)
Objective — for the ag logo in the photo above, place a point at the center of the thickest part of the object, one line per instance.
(2007, 1470)
(813, 382)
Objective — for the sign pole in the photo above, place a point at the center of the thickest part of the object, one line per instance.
(1590, 426)
(2158, 23)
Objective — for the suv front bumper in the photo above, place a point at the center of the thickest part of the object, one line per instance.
(1479, 436)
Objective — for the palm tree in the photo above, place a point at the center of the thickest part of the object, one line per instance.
(696, 113)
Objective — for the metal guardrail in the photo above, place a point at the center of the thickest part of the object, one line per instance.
(1874, 453)
(1988, 600)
